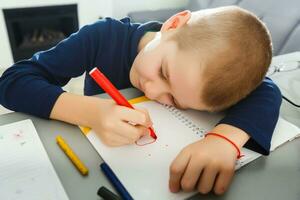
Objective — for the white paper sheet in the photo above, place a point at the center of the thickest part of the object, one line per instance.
(26, 172)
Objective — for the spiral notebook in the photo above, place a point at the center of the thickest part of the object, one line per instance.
(144, 170)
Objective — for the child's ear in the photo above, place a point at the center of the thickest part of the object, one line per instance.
(176, 21)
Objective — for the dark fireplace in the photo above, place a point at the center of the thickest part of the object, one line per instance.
(38, 28)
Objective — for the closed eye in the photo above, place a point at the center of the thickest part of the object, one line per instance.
(161, 73)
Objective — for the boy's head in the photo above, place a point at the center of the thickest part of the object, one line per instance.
(205, 60)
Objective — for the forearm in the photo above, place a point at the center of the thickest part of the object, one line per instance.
(74, 109)
(257, 115)
(238, 136)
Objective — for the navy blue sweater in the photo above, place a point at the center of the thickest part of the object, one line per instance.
(32, 86)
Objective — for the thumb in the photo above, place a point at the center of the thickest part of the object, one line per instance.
(145, 111)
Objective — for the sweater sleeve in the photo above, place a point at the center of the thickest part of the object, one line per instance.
(32, 86)
(257, 115)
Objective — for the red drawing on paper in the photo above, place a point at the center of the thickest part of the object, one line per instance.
(145, 140)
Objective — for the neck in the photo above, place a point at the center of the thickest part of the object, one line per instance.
(148, 36)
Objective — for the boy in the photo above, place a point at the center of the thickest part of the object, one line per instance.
(206, 60)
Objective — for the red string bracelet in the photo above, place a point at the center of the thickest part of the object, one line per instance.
(225, 138)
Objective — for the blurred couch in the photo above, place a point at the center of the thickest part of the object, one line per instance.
(282, 17)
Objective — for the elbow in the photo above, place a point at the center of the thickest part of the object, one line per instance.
(4, 92)
(8, 82)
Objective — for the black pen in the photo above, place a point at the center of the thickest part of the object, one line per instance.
(106, 194)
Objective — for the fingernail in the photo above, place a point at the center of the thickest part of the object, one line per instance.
(173, 189)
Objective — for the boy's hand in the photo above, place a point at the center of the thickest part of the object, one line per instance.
(118, 125)
(207, 164)
(104, 116)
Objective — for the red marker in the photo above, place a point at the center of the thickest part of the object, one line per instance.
(112, 91)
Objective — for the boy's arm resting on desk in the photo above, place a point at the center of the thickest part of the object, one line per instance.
(256, 115)
(33, 86)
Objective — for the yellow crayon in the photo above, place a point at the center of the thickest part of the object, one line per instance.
(72, 156)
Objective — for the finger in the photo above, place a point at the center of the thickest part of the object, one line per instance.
(223, 180)
(177, 170)
(114, 139)
(132, 132)
(135, 116)
(119, 141)
(207, 179)
(191, 175)
(143, 110)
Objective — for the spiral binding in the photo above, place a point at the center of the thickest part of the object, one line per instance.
(186, 121)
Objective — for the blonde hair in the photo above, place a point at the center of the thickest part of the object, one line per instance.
(238, 48)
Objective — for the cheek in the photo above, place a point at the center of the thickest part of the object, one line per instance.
(147, 67)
